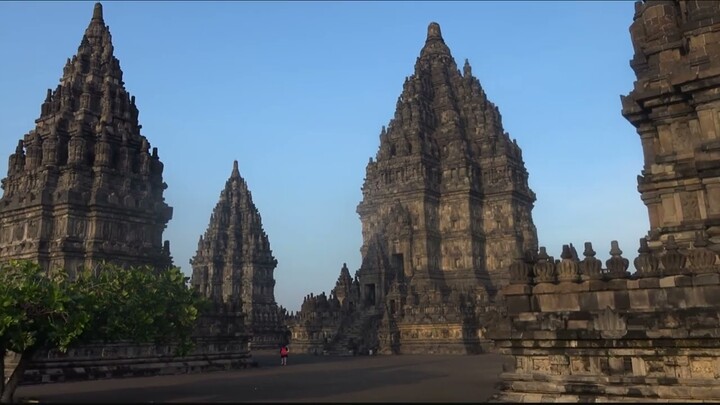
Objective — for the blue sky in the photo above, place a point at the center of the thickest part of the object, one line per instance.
(297, 92)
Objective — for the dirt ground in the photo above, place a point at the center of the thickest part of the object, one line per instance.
(306, 378)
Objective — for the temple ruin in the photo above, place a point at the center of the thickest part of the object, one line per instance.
(675, 105)
(579, 332)
(446, 207)
(84, 187)
(234, 265)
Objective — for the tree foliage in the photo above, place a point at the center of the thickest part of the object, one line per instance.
(48, 310)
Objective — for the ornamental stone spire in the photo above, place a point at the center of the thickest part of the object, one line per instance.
(84, 186)
(447, 192)
(446, 207)
(234, 265)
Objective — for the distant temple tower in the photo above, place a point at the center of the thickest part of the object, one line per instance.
(83, 186)
(675, 106)
(447, 195)
(234, 264)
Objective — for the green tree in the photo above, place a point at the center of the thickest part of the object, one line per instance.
(47, 310)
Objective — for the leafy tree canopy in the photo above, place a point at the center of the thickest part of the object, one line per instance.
(46, 310)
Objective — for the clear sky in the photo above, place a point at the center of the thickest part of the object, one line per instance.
(297, 92)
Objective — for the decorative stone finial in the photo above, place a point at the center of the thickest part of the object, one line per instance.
(646, 264)
(589, 250)
(673, 260)
(567, 268)
(544, 269)
(616, 264)
(521, 271)
(467, 69)
(702, 259)
(434, 31)
(590, 267)
(97, 12)
(235, 170)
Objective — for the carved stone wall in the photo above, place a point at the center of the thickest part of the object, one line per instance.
(582, 333)
(221, 343)
(84, 185)
(413, 321)
(675, 106)
(234, 263)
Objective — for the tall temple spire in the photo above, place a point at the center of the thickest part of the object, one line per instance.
(98, 13)
(86, 180)
(233, 266)
(446, 142)
(235, 172)
(434, 43)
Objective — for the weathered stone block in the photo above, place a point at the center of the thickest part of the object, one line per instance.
(573, 324)
(650, 282)
(684, 281)
(545, 288)
(517, 304)
(517, 289)
(588, 301)
(622, 300)
(639, 299)
(668, 281)
(605, 299)
(617, 284)
(571, 287)
(658, 298)
(596, 285)
(712, 295)
(706, 279)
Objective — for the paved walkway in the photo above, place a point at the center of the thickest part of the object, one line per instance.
(306, 378)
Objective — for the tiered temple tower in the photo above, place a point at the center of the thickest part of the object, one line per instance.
(446, 209)
(447, 195)
(84, 186)
(675, 106)
(234, 264)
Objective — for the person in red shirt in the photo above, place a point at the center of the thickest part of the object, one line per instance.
(283, 355)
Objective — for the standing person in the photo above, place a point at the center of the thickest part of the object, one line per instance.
(283, 355)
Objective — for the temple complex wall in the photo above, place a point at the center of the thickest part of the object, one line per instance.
(582, 333)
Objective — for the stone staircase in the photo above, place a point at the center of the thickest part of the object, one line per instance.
(357, 331)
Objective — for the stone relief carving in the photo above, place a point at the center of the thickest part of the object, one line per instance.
(610, 324)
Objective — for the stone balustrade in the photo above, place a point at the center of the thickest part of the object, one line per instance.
(582, 333)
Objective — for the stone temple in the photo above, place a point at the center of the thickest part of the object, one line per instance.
(446, 208)
(234, 265)
(83, 186)
(675, 106)
(580, 332)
